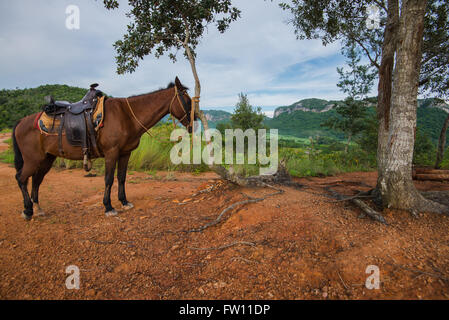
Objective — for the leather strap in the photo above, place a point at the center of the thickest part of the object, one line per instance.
(91, 132)
(61, 127)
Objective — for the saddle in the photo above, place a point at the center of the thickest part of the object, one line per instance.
(76, 121)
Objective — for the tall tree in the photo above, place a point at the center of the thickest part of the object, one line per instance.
(397, 188)
(349, 119)
(167, 26)
(246, 116)
(434, 78)
(356, 83)
(333, 20)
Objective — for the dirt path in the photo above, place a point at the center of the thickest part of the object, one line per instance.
(3, 137)
(302, 245)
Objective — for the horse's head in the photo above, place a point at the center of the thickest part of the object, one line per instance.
(182, 106)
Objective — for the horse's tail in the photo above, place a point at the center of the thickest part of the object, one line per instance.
(18, 159)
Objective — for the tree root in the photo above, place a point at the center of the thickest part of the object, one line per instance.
(281, 177)
(441, 197)
(359, 203)
(233, 206)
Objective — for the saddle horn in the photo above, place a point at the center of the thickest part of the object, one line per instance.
(49, 99)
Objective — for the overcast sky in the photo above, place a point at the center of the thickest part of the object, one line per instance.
(259, 55)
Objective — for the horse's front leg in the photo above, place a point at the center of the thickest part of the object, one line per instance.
(121, 177)
(110, 164)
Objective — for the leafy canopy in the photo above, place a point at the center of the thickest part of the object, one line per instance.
(434, 76)
(246, 116)
(160, 26)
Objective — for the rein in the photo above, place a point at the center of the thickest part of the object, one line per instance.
(192, 113)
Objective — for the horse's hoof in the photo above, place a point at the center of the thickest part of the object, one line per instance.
(128, 206)
(111, 213)
(25, 216)
(38, 211)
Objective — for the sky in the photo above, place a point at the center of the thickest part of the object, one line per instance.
(258, 55)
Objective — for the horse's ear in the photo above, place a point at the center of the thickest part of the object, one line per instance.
(178, 83)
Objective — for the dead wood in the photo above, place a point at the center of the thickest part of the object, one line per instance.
(235, 205)
(430, 171)
(281, 177)
(431, 176)
(441, 197)
(442, 277)
(359, 203)
(226, 246)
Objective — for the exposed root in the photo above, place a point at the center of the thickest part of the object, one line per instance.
(233, 206)
(359, 203)
(424, 204)
(441, 197)
(442, 277)
(357, 196)
(281, 177)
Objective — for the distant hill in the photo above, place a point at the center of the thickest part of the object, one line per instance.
(307, 105)
(216, 116)
(16, 104)
(301, 119)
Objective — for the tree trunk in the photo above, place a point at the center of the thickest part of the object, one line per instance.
(385, 85)
(396, 185)
(441, 144)
(348, 142)
(198, 112)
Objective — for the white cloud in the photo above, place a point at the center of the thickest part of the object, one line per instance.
(253, 56)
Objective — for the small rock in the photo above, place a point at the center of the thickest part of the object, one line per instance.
(219, 285)
(90, 293)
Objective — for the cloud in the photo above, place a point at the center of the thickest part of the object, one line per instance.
(258, 55)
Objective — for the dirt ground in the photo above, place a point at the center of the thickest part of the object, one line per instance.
(3, 144)
(297, 245)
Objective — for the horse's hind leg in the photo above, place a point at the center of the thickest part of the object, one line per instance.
(121, 177)
(29, 168)
(37, 179)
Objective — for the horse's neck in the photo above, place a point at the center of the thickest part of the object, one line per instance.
(149, 109)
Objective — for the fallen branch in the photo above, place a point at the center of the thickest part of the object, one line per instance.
(243, 259)
(357, 196)
(431, 177)
(359, 203)
(419, 271)
(240, 203)
(281, 177)
(342, 281)
(225, 246)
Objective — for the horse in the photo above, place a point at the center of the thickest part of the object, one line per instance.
(125, 121)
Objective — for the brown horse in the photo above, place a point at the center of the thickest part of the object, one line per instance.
(125, 121)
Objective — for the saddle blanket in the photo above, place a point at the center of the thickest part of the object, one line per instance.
(49, 125)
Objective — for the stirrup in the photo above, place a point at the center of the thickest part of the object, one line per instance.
(87, 163)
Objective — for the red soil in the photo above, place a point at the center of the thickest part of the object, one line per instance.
(305, 245)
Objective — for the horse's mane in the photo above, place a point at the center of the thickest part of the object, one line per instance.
(169, 86)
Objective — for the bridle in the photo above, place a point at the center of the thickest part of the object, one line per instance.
(181, 102)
